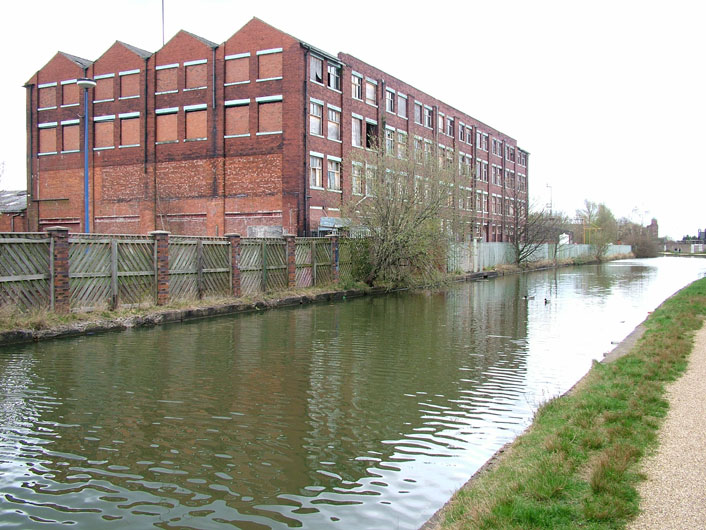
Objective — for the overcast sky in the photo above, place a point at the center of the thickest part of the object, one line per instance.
(609, 97)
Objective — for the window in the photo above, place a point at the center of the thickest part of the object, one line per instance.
(237, 118)
(357, 132)
(357, 84)
(129, 131)
(390, 142)
(196, 74)
(389, 101)
(103, 132)
(417, 113)
(461, 132)
(441, 123)
(269, 64)
(450, 127)
(510, 153)
(428, 117)
(166, 125)
(481, 140)
(316, 168)
(427, 151)
(401, 144)
(522, 158)
(334, 124)
(47, 96)
(469, 135)
(237, 69)
(167, 78)
(104, 88)
(70, 136)
(69, 93)
(357, 179)
(47, 138)
(130, 85)
(401, 106)
(317, 70)
(316, 113)
(334, 76)
(196, 122)
(269, 114)
(334, 175)
(497, 147)
(418, 152)
(371, 92)
(371, 135)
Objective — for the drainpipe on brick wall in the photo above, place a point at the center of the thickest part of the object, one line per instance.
(306, 141)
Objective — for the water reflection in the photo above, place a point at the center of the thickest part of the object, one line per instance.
(365, 414)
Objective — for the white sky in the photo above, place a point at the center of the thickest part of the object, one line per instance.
(609, 97)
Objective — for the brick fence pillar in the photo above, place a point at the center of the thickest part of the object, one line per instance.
(334, 259)
(234, 263)
(161, 266)
(291, 261)
(60, 293)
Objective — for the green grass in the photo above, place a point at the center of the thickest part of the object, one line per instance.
(578, 465)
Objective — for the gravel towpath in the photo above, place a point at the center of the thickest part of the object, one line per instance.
(674, 494)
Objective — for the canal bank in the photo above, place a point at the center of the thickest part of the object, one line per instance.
(580, 463)
(47, 326)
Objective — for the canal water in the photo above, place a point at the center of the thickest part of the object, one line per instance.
(361, 414)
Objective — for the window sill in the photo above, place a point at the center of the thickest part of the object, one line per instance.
(67, 105)
(46, 154)
(246, 135)
(71, 151)
(268, 133)
(128, 97)
(334, 191)
(357, 99)
(334, 140)
(130, 145)
(195, 88)
(403, 117)
(316, 82)
(46, 108)
(166, 92)
(103, 100)
(104, 148)
(371, 104)
(316, 188)
(268, 79)
(167, 142)
(195, 139)
(317, 135)
(334, 89)
(237, 83)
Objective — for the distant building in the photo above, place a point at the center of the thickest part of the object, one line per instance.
(13, 211)
(206, 139)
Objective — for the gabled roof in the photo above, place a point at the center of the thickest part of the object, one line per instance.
(13, 201)
(205, 41)
(138, 51)
(80, 61)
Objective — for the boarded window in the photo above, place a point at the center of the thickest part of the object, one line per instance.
(70, 134)
(130, 131)
(196, 125)
(104, 89)
(47, 97)
(237, 70)
(167, 80)
(47, 140)
(129, 85)
(269, 66)
(167, 127)
(69, 94)
(270, 117)
(103, 134)
(237, 120)
(196, 75)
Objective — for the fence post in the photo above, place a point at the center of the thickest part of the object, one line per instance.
(291, 247)
(60, 293)
(114, 273)
(161, 266)
(234, 240)
(199, 268)
(334, 258)
(313, 262)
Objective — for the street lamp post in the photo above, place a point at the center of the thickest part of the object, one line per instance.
(85, 84)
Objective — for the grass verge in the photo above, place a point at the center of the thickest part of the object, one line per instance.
(578, 464)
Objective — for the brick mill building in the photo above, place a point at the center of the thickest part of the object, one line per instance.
(202, 138)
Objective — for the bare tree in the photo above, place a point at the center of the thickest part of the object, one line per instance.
(404, 204)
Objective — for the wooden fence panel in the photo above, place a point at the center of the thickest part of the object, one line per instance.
(89, 271)
(216, 268)
(183, 268)
(323, 256)
(345, 259)
(251, 261)
(303, 252)
(134, 271)
(25, 264)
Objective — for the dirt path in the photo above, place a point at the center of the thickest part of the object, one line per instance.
(674, 494)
